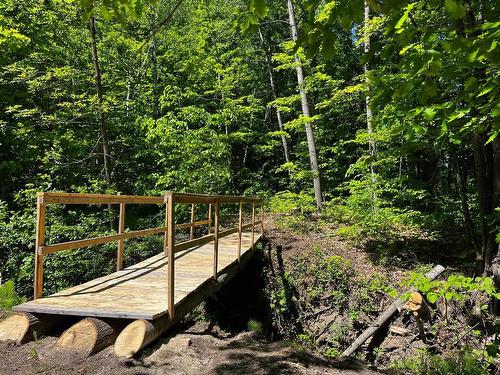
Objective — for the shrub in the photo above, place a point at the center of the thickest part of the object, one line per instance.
(8, 296)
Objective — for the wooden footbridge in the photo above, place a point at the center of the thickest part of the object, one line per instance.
(135, 305)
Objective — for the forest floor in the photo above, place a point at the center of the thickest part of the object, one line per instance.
(215, 340)
(196, 350)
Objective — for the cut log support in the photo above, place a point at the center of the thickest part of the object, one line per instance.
(385, 316)
(89, 335)
(24, 327)
(140, 333)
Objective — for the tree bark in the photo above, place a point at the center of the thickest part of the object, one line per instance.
(311, 143)
(154, 61)
(100, 113)
(100, 109)
(372, 149)
(267, 54)
(488, 198)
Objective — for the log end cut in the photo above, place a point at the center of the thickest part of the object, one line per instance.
(89, 336)
(133, 338)
(16, 327)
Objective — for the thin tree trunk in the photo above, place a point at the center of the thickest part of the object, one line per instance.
(156, 112)
(100, 113)
(311, 143)
(100, 109)
(267, 53)
(484, 160)
(372, 149)
(462, 189)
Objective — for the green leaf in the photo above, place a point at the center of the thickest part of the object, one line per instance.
(429, 113)
(455, 9)
(404, 17)
(496, 110)
(432, 297)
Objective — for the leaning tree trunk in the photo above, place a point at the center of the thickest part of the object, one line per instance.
(267, 54)
(100, 113)
(311, 143)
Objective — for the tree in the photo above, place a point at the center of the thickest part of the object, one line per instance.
(311, 143)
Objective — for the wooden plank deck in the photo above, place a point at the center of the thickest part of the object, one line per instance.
(140, 291)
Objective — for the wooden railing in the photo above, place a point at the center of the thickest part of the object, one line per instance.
(170, 200)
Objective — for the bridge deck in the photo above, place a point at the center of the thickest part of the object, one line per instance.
(140, 291)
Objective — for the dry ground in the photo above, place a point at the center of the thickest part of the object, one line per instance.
(197, 350)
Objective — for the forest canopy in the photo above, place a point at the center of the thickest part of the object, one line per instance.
(382, 115)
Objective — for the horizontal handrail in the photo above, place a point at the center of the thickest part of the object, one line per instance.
(78, 244)
(193, 224)
(191, 243)
(76, 198)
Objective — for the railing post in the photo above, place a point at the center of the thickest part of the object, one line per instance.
(216, 238)
(121, 229)
(170, 243)
(240, 225)
(253, 224)
(191, 230)
(39, 242)
(209, 218)
(261, 217)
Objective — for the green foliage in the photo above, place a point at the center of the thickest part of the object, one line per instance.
(455, 287)
(8, 296)
(324, 279)
(256, 327)
(464, 362)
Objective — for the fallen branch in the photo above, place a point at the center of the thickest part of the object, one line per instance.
(385, 316)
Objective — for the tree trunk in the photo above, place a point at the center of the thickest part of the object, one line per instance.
(488, 198)
(100, 113)
(100, 109)
(369, 127)
(461, 179)
(311, 143)
(267, 54)
(156, 112)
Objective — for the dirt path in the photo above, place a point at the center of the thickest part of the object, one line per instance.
(197, 350)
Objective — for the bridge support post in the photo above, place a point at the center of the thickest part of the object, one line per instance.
(240, 229)
(121, 229)
(193, 213)
(216, 238)
(39, 242)
(253, 225)
(169, 251)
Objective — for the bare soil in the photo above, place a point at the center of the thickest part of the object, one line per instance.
(197, 350)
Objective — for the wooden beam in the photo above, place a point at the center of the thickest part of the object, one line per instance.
(170, 236)
(227, 232)
(76, 198)
(39, 242)
(240, 229)
(99, 240)
(190, 225)
(192, 243)
(261, 218)
(209, 218)
(121, 229)
(216, 239)
(253, 225)
(191, 230)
